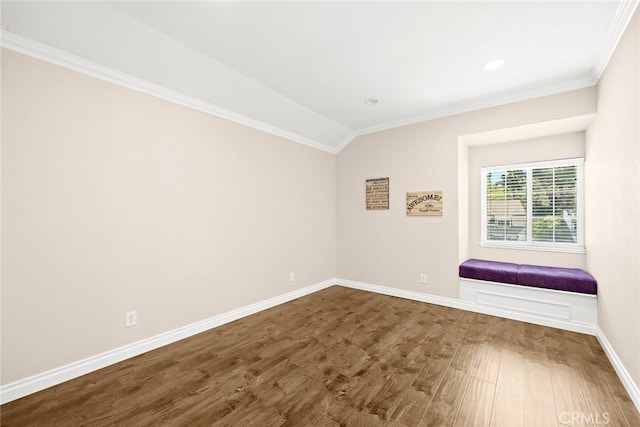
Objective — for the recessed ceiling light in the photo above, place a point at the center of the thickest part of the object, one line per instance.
(494, 65)
(371, 101)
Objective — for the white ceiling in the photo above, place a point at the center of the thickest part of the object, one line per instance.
(303, 69)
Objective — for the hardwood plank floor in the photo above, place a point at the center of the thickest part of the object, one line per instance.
(343, 357)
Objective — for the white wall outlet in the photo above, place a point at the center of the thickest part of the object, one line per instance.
(292, 277)
(130, 319)
(423, 278)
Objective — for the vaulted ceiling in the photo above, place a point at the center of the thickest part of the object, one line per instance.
(304, 70)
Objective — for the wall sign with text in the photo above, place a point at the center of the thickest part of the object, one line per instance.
(424, 203)
(377, 193)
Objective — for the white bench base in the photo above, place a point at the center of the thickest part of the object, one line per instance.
(572, 307)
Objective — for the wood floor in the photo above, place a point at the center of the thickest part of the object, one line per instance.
(351, 358)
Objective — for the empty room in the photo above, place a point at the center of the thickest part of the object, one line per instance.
(311, 213)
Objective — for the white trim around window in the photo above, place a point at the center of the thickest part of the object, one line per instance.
(521, 235)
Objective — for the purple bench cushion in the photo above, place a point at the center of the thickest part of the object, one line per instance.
(560, 279)
(492, 271)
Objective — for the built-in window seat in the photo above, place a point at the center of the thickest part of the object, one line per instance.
(564, 295)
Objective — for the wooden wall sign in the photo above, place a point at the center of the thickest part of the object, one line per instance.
(424, 203)
(377, 193)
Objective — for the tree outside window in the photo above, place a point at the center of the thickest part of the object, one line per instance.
(533, 204)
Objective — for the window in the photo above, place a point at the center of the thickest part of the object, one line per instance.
(534, 206)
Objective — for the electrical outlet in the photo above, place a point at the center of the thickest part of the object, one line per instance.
(292, 277)
(423, 278)
(130, 319)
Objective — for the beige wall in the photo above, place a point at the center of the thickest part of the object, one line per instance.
(553, 147)
(387, 247)
(115, 201)
(612, 195)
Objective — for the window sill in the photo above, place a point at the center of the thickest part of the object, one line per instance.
(540, 248)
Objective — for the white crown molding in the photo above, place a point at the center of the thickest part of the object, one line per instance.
(41, 51)
(67, 60)
(59, 57)
(621, 19)
(38, 382)
(519, 96)
(52, 55)
(619, 23)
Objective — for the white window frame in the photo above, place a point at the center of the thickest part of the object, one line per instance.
(529, 244)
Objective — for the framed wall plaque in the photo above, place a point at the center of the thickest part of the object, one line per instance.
(377, 194)
(424, 203)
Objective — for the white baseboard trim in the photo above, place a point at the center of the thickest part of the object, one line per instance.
(627, 381)
(41, 381)
(469, 306)
(38, 382)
